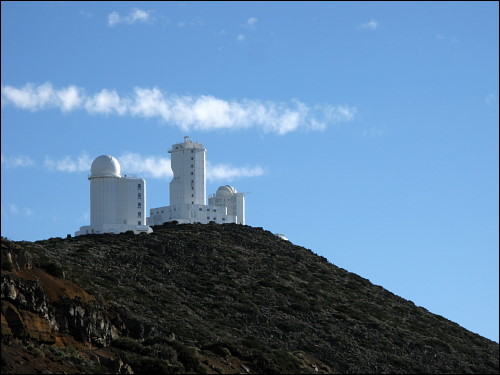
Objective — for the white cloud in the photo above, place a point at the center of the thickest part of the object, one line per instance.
(203, 112)
(17, 161)
(370, 25)
(106, 102)
(240, 38)
(34, 98)
(135, 15)
(70, 98)
(68, 164)
(226, 172)
(251, 21)
(18, 211)
(145, 166)
(139, 15)
(113, 19)
(151, 166)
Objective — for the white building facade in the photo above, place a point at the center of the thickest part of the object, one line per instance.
(227, 196)
(188, 192)
(117, 203)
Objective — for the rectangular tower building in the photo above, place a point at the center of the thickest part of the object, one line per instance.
(188, 185)
(188, 192)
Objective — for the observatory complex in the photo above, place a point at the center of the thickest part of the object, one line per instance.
(188, 192)
(117, 203)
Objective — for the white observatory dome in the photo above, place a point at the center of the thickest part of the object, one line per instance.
(105, 166)
(225, 190)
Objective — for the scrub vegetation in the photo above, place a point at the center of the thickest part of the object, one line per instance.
(232, 298)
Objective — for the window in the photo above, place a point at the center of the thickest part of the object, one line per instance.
(139, 214)
(192, 173)
(192, 151)
(138, 195)
(191, 158)
(200, 208)
(139, 187)
(139, 223)
(208, 209)
(192, 195)
(192, 202)
(208, 217)
(192, 164)
(223, 219)
(139, 205)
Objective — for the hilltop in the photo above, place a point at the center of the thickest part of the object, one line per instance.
(213, 299)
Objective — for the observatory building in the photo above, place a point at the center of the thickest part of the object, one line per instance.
(117, 203)
(188, 192)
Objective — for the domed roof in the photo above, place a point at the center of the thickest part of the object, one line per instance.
(105, 166)
(226, 190)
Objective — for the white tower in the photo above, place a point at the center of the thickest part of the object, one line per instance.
(188, 185)
(117, 203)
(188, 192)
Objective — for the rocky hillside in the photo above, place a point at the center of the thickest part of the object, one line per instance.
(213, 299)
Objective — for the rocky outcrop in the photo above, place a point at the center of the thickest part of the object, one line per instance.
(29, 312)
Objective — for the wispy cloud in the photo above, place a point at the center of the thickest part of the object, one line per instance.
(151, 166)
(145, 166)
(491, 99)
(20, 211)
(202, 112)
(135, 15)
(250, 23)
(86, 14)
(240, 37)
(370, 25)
(226, 172)
(68, 164)
(373, 132)
(16, 161)
(34, 98)
(197, 22)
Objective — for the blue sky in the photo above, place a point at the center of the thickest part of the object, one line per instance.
(367, 132)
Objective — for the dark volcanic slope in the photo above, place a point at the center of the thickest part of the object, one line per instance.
(261, 298)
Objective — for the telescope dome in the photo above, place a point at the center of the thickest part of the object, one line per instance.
(105, 166)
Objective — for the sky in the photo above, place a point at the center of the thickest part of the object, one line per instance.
(364, 131)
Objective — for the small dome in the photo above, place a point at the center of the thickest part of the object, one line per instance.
(226, 190)
(282, 236)
(105, 166)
